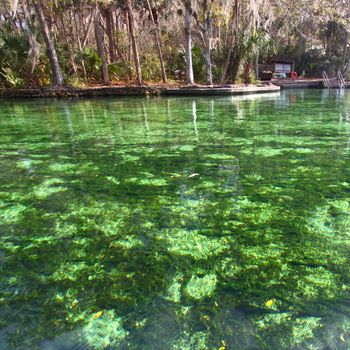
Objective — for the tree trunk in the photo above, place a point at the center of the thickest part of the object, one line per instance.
(88, 29)
(188, 43)
(34, 50)
(100, 46)
(346, 70)
(234, 20)
(51, 51)
(208, 66)
(227, 63)
(207, 43)
(235, 66)
(257, 57)
(69, 46)
(76, 32)
(119, 52)
(158, 42)
(129, 53)
(111, 34)
(134, 44)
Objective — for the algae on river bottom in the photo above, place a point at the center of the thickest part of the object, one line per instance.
(176, 223)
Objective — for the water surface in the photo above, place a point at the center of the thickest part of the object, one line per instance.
(176, 223)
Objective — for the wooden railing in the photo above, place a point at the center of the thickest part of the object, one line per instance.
(325, 78)
(341, 80)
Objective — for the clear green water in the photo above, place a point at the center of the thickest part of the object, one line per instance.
(180, 223)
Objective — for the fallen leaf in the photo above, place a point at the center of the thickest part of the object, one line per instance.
(342, 338)
(193, 175)
(97, 315)
(223, 347)
(269, 303)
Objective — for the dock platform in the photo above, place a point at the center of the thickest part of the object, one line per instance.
(306, 83)
(220, 90)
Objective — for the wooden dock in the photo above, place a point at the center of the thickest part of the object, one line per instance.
(307, 83)
(220, 90)
(298, 83)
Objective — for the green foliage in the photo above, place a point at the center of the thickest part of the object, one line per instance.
(336, 37)
(13, 48)
(175, 62)
(217, 64)
(329, 57)
(77, 82)
(312, 62)
(198, 64)
(11, 78)
(92, 62)
(121, 71)
(151, 67)
(13, 58)
(178, 64)
(319, 36)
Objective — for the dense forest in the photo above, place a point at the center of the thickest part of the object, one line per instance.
(87, 42)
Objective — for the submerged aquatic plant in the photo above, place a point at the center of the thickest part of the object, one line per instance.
(104, 330)
(200, 287)
(225, 231)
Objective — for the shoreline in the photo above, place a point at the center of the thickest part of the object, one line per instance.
(135, 90)
(275, 85)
